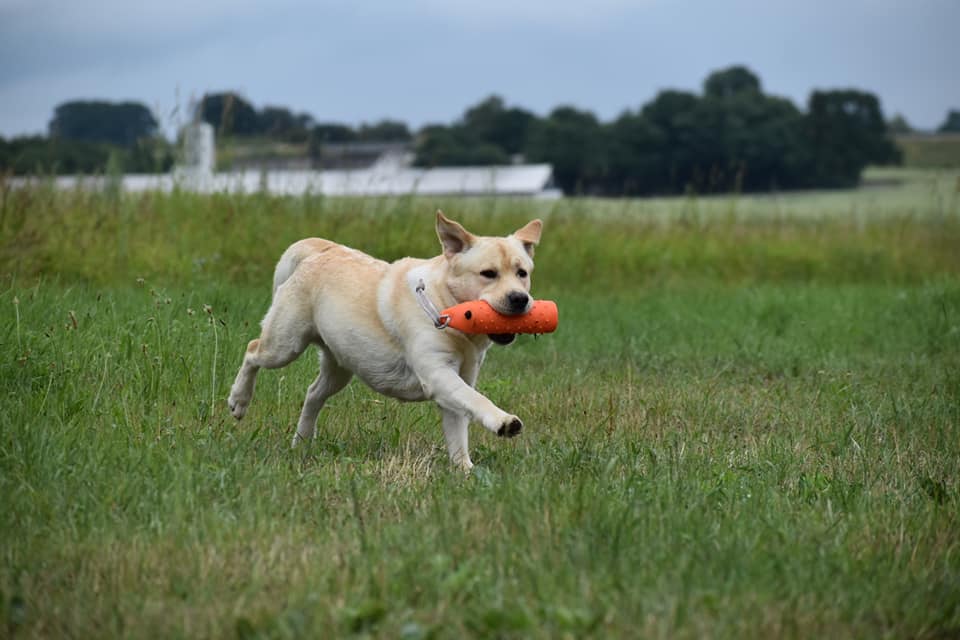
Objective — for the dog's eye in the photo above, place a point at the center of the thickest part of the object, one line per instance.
(522, 273)
(489, 273)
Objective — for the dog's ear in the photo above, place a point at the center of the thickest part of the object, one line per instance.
(529, 235)
(453, 237)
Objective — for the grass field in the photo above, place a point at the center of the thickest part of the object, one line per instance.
(747, 425)
(930, 150)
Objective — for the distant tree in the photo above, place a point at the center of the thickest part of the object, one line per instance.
(731, 81)
(490, 122)
(95, 121)
(304, 121)
(636, 153)
(437, 145)
(38, 155)
(384, 131)
(487, 134)
(230, 114)
(846, 131)
(898, 125)
(669, 105)
(737, 138)
(148, 155)
(67, 157)
(951, 123)
(778, 155)
(440, 145)
(332, 132)
(279, 123)
(276, 122)
(759, 144)
(302, 127)
(731, 138)
(674, 115)
(575, 144)
(327, 133)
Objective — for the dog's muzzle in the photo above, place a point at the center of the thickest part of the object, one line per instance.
(517, 302)
(503, 338)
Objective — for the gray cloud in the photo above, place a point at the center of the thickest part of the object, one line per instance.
(426, 60)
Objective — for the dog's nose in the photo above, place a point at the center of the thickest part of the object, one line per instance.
(518, 301)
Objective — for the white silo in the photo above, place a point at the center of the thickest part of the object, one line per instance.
(199, 153)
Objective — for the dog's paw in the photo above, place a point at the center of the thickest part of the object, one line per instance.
(511, 427)
(237, 406)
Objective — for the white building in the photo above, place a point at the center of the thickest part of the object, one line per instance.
(390, 175)
(531, 180)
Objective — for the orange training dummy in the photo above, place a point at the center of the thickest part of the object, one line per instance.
(477, 316)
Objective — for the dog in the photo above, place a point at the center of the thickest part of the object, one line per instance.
(365, 318)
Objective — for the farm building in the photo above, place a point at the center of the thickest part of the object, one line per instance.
(390, 174)
(532, 180)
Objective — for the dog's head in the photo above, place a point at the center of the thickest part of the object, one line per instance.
(495, 270)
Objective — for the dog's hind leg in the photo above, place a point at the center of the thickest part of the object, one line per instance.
(332, 378)
(287, 330)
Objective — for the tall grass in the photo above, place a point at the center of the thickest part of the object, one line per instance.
(746, 426)
(851, 236)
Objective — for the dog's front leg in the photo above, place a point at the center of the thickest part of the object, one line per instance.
(455, 432)
(442, 383)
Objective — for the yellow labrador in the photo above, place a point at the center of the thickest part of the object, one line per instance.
(364, 316)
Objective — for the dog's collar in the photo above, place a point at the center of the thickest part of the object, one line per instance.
(420, 292)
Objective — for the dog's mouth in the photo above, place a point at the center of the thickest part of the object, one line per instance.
(503, 338)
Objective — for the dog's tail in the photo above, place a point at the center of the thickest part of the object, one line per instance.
(294, 255)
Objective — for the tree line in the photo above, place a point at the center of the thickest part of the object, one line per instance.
(730, 136)
(233, 116)
(88, 137)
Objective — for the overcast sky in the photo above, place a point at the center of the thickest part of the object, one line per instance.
(425, 61)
